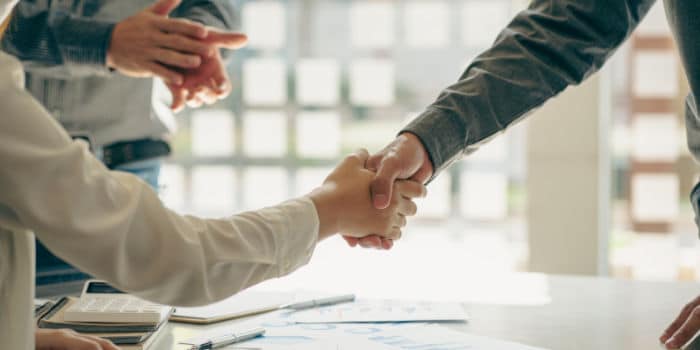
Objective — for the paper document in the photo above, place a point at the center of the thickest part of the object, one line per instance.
(382, 311)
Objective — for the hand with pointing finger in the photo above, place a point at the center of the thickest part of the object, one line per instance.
(404, 158)
(150, 43)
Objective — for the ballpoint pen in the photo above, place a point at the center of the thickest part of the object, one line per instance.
(320, 302)
(229, 339)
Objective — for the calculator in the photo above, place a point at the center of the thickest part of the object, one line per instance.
(102, 303)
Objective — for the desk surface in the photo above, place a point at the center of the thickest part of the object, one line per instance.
(582, 313)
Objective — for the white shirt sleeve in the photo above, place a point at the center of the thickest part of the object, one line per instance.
(113, 226)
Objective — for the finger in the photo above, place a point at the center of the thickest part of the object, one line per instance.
(221, 84)
(411, 189)
(400, 221)
(208, 96)
(371, 242)
(104, 343)
(183, 44)
(407, 207)
(77, 342)
(179, 95)
(394, 234)
(182, 27)
(387, 244)
(168, 75)
(195, 102)
(226, 40)
(164, 7)
(357, 158)
(176, 59)
(383, 183)
(686, 332)
(678, 322)
(374, 161)
(352, 241)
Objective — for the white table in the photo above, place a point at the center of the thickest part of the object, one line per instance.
(583, 313)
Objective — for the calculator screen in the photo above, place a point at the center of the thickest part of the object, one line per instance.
(102, 288)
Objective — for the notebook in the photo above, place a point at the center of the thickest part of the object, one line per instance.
(54, 319)
(246, 303)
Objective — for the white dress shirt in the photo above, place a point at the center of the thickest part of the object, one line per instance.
(113, 226)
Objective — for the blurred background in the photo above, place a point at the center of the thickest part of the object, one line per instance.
(595, 183)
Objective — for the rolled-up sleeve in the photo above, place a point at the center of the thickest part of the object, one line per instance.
(547, 47)
(113, 226)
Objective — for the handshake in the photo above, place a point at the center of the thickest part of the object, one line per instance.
(185, 55)
(362, 198)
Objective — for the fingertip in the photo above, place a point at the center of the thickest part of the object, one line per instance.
(380, 201)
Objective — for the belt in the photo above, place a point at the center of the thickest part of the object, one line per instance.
(120, 153)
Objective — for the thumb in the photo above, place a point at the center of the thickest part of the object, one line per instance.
(227, 40)
(164, 7)
(383, 183)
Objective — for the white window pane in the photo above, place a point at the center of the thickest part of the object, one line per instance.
(213, 190)
(372, 82)
(265, 134)
(318, 134)
(372, 24)
(655, 74)
(212, 133)
(264, 187)
(655, 138)
(655, 197)
(427, 24)
(265, 24)
(494, 151)
(264, 82)
(307, 179)
(482, 20)
(172, 192)
(655, 256)
(655, 23)
(438, 203)
(318, 82)
(484, 196)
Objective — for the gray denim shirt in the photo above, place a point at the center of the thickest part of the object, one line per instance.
(63, 46)
(546, 48)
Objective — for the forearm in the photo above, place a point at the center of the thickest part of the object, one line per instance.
(113, 226)
(549, 46)
(58, 44)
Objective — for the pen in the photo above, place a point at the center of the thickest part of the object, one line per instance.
(229, 339)
(320, 302)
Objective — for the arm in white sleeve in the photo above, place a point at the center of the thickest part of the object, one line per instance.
(113, 226)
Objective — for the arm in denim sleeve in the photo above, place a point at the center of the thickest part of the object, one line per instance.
(549, 46)
(57, 43)
(215, 13)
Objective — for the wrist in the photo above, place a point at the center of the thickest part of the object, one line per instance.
(426, 170)
(328, 218)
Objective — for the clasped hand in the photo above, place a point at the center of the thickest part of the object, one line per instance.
(184, 54)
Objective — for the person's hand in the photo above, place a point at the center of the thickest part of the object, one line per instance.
(209, 82)
(151, 44)
(344, 203)
(684, 327)
(65, 339)
(404, 158)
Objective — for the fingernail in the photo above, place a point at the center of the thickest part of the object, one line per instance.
(379, 200)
